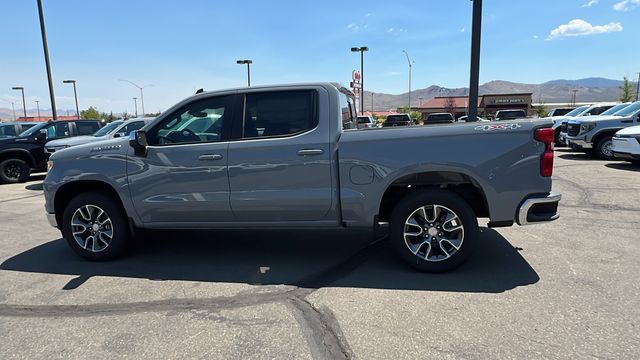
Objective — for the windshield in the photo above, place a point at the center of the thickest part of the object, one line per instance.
(108, 129)
(615, 109)
(629, 110)
(33, 130)
(577, 111)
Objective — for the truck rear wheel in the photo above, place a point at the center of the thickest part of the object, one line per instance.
(433, 230)
(14, 171)
(602, 148)
(95, 227)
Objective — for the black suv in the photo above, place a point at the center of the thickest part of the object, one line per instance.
(13, 129)
(398, 120)
(21, 154)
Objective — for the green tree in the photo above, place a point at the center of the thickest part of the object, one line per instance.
(404, 110)
(541, 111)
(416, 116)
(626, 91)
(91, 114)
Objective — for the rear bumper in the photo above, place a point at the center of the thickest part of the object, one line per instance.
(539, 209)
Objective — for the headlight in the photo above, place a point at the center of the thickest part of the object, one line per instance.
(586, 127)
(49, 165)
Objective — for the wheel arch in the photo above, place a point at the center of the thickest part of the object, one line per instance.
(70, 190)
(605, 132)
(21, 154)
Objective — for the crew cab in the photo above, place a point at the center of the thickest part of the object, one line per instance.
(284, 157)
(114, 129)
(13, 129)
(626, 144)
(21, 154)
(594, 135)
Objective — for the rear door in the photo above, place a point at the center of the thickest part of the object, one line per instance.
(280, 161)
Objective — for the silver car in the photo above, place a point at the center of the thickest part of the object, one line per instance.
(118, 128)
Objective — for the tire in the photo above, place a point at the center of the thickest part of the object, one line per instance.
(86, 209)
(423, 255)
(14, 171)
(602, 148)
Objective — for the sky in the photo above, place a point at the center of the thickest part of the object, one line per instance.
(180, 46)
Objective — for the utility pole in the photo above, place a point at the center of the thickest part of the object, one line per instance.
(46, 61)
(38, 106)
(372, 104)
(75, 95)
(248, 63)
(135, 104)
(410, 65)
(474, 78)
(573, 100)
(141, 95)
(638, 87)
(24, 105)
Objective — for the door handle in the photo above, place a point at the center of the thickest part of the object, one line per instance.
(210, 157)
(305, 152)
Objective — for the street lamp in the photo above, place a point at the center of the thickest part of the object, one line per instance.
(45, 48)
(135, 104)
(38, 106)
(410, 65)
(248, 62)
(361, 50)
(75, 94)
(24, 105)
(141, 95)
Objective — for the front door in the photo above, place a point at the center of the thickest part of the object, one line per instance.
(280, 163)
(183, 178)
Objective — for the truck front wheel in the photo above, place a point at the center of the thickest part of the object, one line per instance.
(433, 230)
(14, 171)
(603, 148)
(95, 227)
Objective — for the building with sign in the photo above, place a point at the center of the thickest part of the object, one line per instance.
(488, 104)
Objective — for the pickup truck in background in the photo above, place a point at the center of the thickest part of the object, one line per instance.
(510, 114)
(560, 111)
(560, 122)
(19, 155)
(366, 122)
(283, 157)
(439, 118)
(398, 120)
(13, 129)
(594, 135)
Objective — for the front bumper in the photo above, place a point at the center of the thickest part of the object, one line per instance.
(580, 143)
(539, 209)
(51, 218)
(625, 156)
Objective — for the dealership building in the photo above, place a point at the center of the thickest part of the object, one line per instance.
(488, 104)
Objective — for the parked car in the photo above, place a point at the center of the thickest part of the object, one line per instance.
(21, 154)
(559, 111)
(291, 174)
(626, 144)
(510, 114)
(118, 128)
(13, 129)
(366, 122)
(594, 135)
(439, 118)
(465, 117)
(398, 120)
(560, 123)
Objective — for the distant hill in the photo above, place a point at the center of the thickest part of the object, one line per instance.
(556, 91)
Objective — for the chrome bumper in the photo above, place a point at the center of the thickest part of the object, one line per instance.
(539, 209)
(51, 218)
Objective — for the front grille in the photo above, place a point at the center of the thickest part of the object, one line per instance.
(51, 150)
(563, 127)
(573, 129)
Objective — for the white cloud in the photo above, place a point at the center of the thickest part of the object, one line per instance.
(590, 3)
(626, 5)
(535, 37)
(579, 27)
(353, 27)
(396, 31)
(463, 29)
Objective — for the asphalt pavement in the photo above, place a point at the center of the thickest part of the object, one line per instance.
(563, 290)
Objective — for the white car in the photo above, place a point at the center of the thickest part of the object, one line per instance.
(626, 144)
(600, 109)
(117, 128)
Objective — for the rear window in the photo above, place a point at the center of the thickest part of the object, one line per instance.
(363, 120)
(511, 114)
(599, 110)
(280, 113)
(347, 109)
(440, 117)
(560, 112)
(398, 118)
(7, 130)
(87, 128)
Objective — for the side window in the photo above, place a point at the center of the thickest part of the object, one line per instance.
(87, 128)
(136, 125)
(58, 130)
(279, 113)
(198, 122)
(347, 110)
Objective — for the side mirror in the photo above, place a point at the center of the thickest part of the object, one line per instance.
(41, 137)
(138, 141)
(117, 135)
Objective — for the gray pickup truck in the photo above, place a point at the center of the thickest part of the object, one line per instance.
(285, 157)
(594, 135)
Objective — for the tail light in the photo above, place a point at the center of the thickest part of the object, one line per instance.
(546, 136)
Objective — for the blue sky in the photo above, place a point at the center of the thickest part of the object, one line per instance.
(179, 46)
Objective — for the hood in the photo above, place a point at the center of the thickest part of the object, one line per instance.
(73, 141)
(14, 140)
(111, 146)
(594, 118)
(633, 130)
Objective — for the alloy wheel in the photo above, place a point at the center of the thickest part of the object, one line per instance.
(92, 228)
(433, 233)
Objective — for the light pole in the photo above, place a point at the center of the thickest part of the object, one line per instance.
(75, 94)
(24, 105)
(141, 95)
(46, 61)
(248, 63)
(38, 106)
(410, 65)
(13, 108)
(371, 103)
(135, 104)
(361, 50)
(638, 87)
